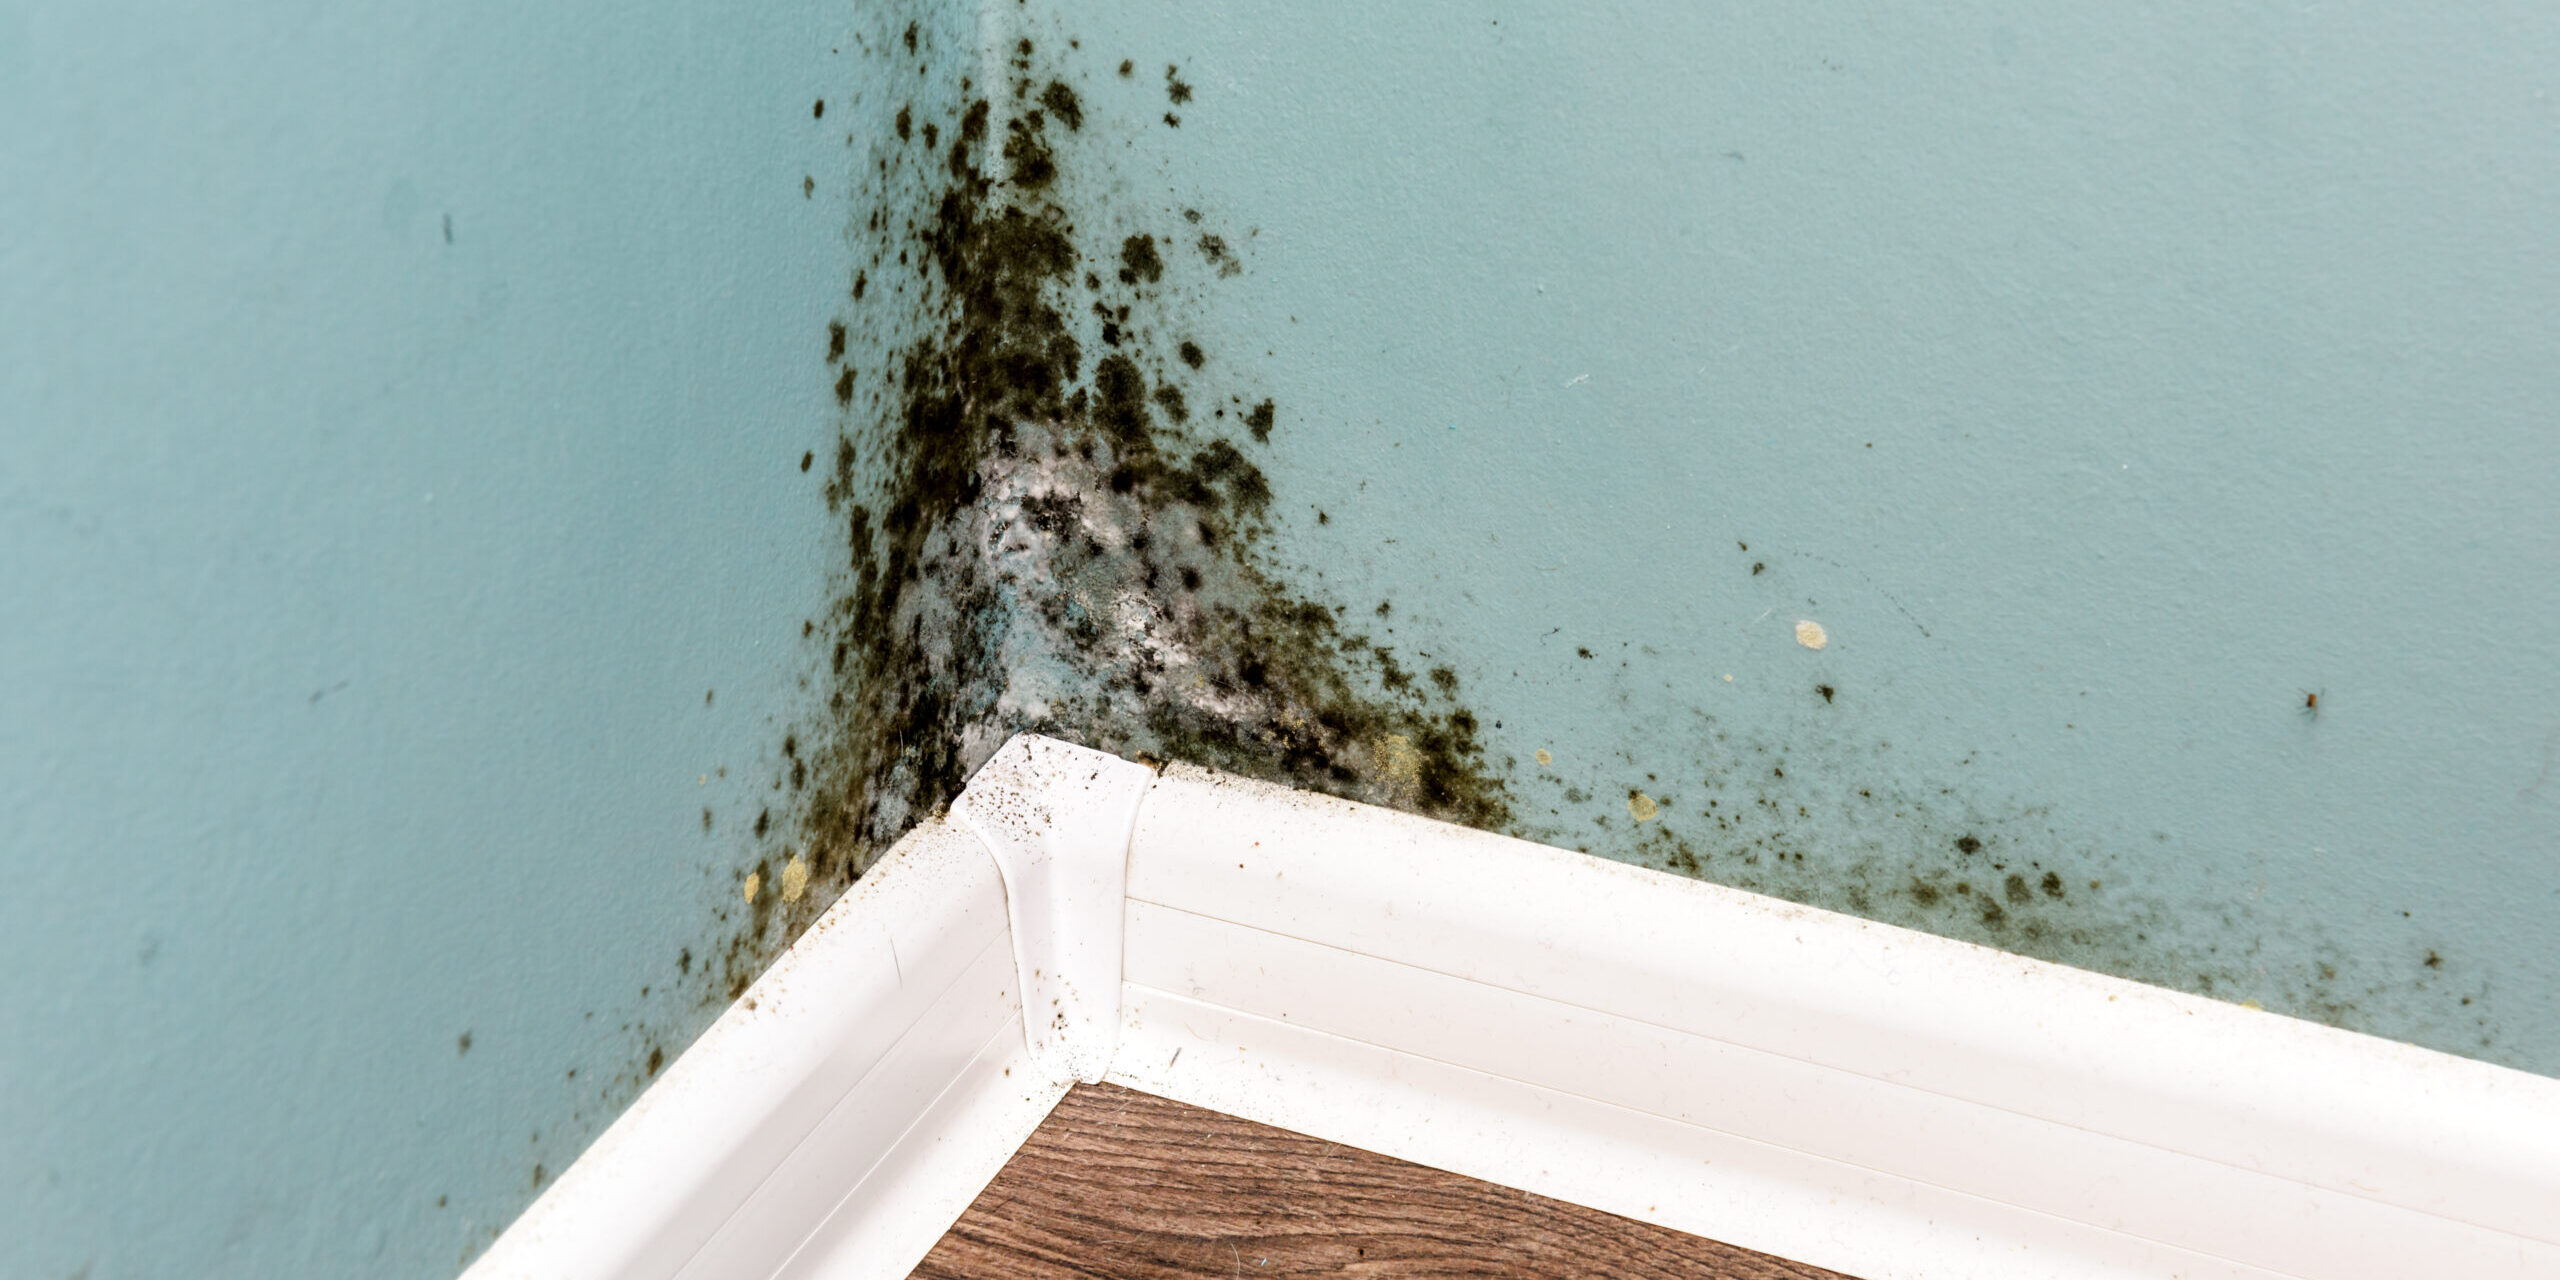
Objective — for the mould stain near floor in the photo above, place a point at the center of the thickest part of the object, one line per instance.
(1816, 812)
(1055, 517)
(1053, 511)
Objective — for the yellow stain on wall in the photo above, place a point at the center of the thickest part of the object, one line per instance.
(1810, 634)
(755, 881)
(1641, 807)
(1544, 758)
(1397, 755)
(795, 879)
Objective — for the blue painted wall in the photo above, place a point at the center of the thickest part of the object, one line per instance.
(404, 546)
(401, 412)
(2104, 381)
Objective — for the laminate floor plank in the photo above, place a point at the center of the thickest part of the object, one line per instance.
(1122, 1185)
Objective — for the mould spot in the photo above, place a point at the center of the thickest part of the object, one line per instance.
(1138, 260)
(1061, 101)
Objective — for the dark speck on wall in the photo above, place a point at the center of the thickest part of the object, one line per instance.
(1061, 102)
(462, 1044)
(818, 110)
(1139, 260)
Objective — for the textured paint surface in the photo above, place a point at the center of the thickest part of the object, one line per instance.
(504, 512)
(2076, 483)
(400, 418)
(2098, 385)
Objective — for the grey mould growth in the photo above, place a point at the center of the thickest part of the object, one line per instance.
(1053, 514)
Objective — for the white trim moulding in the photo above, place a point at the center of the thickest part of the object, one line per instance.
(1880, 1102)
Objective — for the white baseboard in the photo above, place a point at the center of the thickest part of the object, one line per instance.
(848, 1106)
(1884, 1103)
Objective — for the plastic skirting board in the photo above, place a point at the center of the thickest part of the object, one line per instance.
(1852, 1095)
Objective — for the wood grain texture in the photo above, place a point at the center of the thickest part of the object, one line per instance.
(1122, 1185)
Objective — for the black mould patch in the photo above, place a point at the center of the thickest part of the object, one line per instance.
(1062, 104)
(1139, 262)
(1052, 515)
(1042, 524)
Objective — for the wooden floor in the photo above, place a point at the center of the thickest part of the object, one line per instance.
(1120, 1185)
